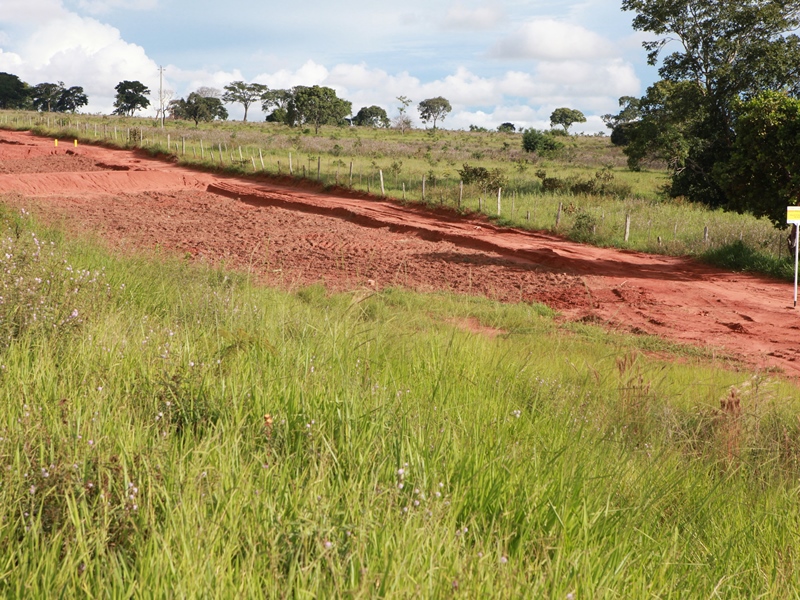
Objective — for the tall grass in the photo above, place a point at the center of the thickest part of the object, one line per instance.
(173, 430)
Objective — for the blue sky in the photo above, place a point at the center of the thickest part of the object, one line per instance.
(506, 60)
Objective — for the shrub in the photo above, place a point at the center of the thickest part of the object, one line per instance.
(482, 177)
(540, 142)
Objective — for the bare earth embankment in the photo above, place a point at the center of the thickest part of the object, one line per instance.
(292, 235)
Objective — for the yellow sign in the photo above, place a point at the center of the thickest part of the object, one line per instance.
(793, 215)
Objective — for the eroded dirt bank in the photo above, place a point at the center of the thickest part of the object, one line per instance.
(294, 236)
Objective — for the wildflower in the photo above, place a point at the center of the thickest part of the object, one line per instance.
(328, 544)
(503, 560)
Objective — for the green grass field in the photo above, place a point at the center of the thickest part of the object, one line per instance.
(172, 430)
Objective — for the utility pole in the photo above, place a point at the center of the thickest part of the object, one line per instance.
(161, 93)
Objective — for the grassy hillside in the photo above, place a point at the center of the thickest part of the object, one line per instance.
(171, 430)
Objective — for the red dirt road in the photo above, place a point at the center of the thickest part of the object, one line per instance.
(290, 235)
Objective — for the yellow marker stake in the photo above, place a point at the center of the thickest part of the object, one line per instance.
(76, 143)
(56, 143)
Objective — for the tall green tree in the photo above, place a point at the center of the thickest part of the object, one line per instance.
(45, 96)
(55, 97)
(131, 96)
(276, 104)
(566, 117)
(198, 108)
(14, 93)
(371, 116)
(243, 93)
(434, 109)
(763, 173)
(71, 99)
(317, 105)
(714, 53)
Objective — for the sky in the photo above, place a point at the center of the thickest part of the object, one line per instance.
(500, 61)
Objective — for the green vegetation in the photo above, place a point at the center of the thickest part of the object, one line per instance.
(173, 430)
(725, 51)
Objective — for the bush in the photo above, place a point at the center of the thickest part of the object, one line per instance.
(540, 142)
(482, 177)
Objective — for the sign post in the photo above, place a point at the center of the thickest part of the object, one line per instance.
(793, 218)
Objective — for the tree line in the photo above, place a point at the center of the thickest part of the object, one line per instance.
(301, 105)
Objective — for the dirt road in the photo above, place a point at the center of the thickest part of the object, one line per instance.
(291, 235)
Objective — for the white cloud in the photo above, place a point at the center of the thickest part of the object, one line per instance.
(547, 39)
(567, 65)
(77, 50)
(31, 12)
(471, 19)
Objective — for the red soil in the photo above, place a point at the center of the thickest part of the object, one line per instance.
(290, 235)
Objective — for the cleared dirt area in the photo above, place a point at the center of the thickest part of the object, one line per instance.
(291, 235)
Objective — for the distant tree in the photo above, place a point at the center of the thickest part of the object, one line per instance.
(198, 108)
(131, 96)
(402, 121)
(566, 117)
(244, 93)
(434, 109)
(165, 96)
(14, 93)
(318, 105)
(372, 116)
(72, 99)
(45, 96)
(54, 97)
(276, 104)
(506, 128)
(477, 128)
(209, 92)
(540, 142)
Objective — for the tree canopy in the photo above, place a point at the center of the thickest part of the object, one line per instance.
(371, 116)
(244, 93)
(725, 51)
(506, 128)
(565, 117)
(276, 104)
(763, 173)
(55, 97)
(434, 109)
(198, 108)
(14, 93)
(131, 96)
(317, 105)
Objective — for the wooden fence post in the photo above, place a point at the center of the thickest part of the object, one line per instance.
(499, 194)
(383, 192)
(627, 227)
(558, 214)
